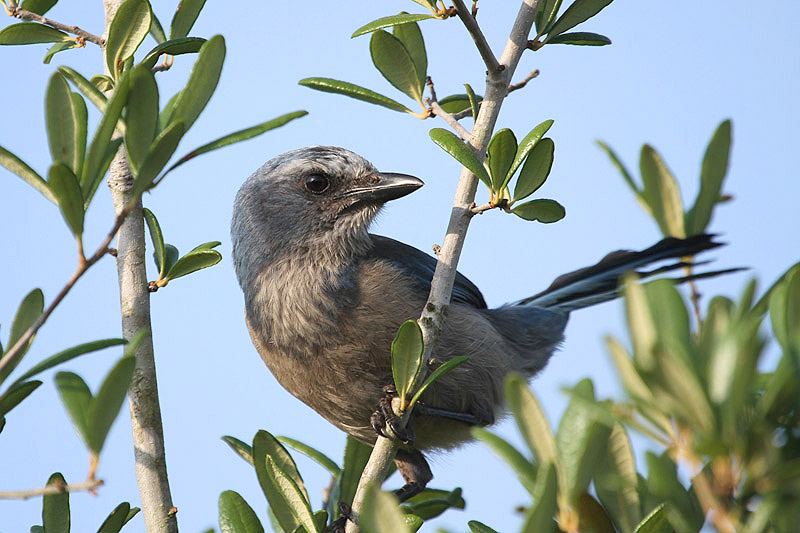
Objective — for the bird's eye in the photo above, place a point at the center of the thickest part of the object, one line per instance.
(317, 183)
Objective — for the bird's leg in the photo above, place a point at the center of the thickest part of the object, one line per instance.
(385, 416)
(345, 514)
(415, 471)
(468, 418)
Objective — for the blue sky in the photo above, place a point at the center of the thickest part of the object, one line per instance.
(674, 71)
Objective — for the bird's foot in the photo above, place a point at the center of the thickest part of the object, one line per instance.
(415, 471)
(384, 416)
(345, 514)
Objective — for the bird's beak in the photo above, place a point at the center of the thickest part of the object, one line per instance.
(388, 186)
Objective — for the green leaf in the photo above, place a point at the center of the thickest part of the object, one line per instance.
(68, 355)
(38, 6)
(500, 156)
(393, 60)
(156, 29)
(580, 441)
(431, 503)
(661, 193)
(242, 449)
(21, 169)
(579, 11)
(86, 87)
(158, 156)
(171, 257)
(329, 85)
(28, 312)
(76, 397)
(159, 250)
(784, 309)
(356, 455)
(236, 516)
(380, 513)
(536, 168)
(277, 504)
(15, 394)
(192, 262)
(185, 17)
(31, 33)
(392, 20)
(548, 9)
(67, 190)
(655, 522)
(521, 465)
(456, 103)
(580, 38)
(62, 124)
(539, 516)
(464, 154)
(127, 30)
(116, 519)
(525, 147)
(295, 497)
(202, 82)
(543, 210)
(616, 480)
(59, 47)
(712, 174)
(98, 150)
(55, 507)
(238, 136)
(663, 483)
(265, 444)
(102, 82)
(105, 407)
(141, 115)
(173, 47)
(411, 37)
(407, 348)
(479, 527)
(81, 130)
(111, 151)
(640, 324)
(440, 371)
(166, 114)
(474, 101)
(323, 460)
(625, 175)
(531, 420)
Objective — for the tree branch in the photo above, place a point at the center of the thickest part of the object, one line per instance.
(54, 488)
(433, 315)
(449, 118)
(24, 14)
(477, 35)
(516, 86)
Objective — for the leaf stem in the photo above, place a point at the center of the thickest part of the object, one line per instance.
(24, 14)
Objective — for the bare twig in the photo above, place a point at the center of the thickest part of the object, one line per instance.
(449, 118)
(515, 86)
(54, 488)
(433, 315)
(24, 14)
(477, 35)
(480, 209)
(83, 265)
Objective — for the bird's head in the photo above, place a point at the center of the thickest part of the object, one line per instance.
(319, 198)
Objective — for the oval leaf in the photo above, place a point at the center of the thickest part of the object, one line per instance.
(40, 7)
(59, 47)
(456, 103)
(392, 20)
(392, 59)
(380, 513)
(580, 38)
(236, 516)
(500, 155)
(411, 38)
(63, 130)
(31, 177)
(329, 85)
(192, 262)
(141, 115)
(86, 87)
(450, 143)
(535, 169)
(15, 394)
(173, 47)
(242, 449)
(479, 527)
(265, 444)
(159, 250)
(31, 33)
(185, 17)
(55, 507)
(542, 210)
(116, 519)
(105, 407)
(77, 398)
(202, 82)
(579, 11)
(156, 29)
(126, 32)
(662, 193)
(524, 148)
(531, 420)
(293, 496)
(67, 191)
(28, 312)
(712, 174)
(407, 348)
(548, 9)
(158, 156)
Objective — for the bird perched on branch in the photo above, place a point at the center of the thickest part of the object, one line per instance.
(324, 298)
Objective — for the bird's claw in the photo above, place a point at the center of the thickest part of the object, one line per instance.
(384, 416)
(345, 514)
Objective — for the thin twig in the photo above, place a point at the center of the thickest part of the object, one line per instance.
(477, 35)
(480, 209)
(516, 86)
(449, 118)
(53, 488)
(24, 14)
(83, 265)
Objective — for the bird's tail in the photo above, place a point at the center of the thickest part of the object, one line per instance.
(601, 282)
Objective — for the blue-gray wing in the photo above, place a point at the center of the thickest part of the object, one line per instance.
(421, 266)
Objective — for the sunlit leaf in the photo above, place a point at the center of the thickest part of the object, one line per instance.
(411, 37)
(579, 11)
(31, 177)
(655, 522)
(392, 20)
(430, 503)
(31, 33)
(525, 146)
(662, 193)
(521, 465)
(380, 513)
(407, 348)
(38, 6)
(293, 496)
(440, 371)
(269, 445)
(242, 449)
(59, 47)
(323, 460)
(531, 420)
(185, 17)
(536, 168)
(156, 29)
(202, 82)
(580, 38)
(86, 87)
(394, 61)
(192, 262)
(127, 30)
(539, 517)
(479, 527)
(462, 153)
(615, 480)
(236, 516)
(353, 91)
(712, 175)
(542, 210)
(55, 507)
(500, 155)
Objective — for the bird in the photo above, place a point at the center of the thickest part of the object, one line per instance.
(324, 299)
